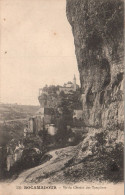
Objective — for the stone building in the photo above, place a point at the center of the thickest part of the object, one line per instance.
(69, 87)
(51, 129)
(43, 99)
(50, 98)
(43, 117)
(46, 114)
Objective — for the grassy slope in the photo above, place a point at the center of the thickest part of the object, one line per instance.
(14, 129)
(12, 111)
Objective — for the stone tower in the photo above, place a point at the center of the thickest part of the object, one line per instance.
(74, 82)
(43, 100)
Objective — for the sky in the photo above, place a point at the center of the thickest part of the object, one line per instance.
(37, 48)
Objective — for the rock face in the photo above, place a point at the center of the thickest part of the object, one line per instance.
(97, 28)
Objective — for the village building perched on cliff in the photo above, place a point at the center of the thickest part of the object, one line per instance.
(69, 87)
(51, 101)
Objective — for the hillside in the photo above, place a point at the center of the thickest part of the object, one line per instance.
(14, 111)
(13, 119)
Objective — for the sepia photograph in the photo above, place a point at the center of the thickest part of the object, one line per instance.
(62, 97)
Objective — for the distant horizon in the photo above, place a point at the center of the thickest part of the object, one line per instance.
(35, 50)
(6, 103)
(15, 103)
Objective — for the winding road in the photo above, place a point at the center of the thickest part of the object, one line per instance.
(47, 171)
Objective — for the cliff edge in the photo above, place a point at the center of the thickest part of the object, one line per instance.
(97, 27)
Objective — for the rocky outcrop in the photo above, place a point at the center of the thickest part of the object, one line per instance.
(97, 27)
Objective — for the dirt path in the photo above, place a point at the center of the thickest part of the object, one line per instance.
(44, 172)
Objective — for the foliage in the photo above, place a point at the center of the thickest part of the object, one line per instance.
(33, 142)
(68, 103)
(51, 89)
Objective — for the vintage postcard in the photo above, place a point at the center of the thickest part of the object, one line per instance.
(61, 97)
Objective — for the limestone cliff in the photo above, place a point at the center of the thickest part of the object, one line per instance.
(97, 27)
